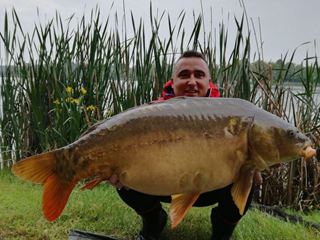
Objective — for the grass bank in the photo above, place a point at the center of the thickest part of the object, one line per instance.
(102, 211)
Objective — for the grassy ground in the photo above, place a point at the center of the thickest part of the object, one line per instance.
(102, 211)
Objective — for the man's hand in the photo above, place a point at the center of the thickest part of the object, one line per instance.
(114, 181)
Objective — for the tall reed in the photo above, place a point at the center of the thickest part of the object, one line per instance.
(58, 81)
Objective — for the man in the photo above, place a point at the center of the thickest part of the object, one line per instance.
(191, 78)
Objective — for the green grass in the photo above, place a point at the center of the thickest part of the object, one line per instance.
(101, 211)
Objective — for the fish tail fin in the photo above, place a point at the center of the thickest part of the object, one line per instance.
(55, 196)
(41, 169)
(36, 168)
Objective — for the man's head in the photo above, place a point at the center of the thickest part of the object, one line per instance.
(191, 75)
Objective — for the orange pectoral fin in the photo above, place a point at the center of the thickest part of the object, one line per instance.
(180, 205)
(242, 187)
(55, 196)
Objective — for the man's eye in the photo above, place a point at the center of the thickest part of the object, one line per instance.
(199, 74)
(184, 74)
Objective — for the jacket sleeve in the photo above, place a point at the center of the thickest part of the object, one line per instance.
(214, 90)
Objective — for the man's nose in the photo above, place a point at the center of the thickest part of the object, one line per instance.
(192, 81)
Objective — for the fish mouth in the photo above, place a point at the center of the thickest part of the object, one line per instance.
(308, 152)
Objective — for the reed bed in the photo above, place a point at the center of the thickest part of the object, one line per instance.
(58, 81)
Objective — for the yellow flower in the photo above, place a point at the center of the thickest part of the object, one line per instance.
(83, 91)
(57, 102)
(73, 100)
(69, 99)
(109, 113)
(91, 108)
(69, 90)
(76, 101)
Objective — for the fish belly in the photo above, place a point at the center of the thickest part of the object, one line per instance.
(189, 164)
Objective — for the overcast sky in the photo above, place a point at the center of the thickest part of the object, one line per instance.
(285, 24)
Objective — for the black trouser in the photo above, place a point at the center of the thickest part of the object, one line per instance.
(144, 203)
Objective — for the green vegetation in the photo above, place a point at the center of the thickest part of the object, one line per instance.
(101, 210)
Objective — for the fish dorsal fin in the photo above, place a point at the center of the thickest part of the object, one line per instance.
(55, 196)
(242, 187)
(180, 204)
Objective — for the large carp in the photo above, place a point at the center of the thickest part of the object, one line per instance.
(181, 147)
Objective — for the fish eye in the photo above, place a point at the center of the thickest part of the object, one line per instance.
(291, 133)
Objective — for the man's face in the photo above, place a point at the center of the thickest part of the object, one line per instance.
(191, 77)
